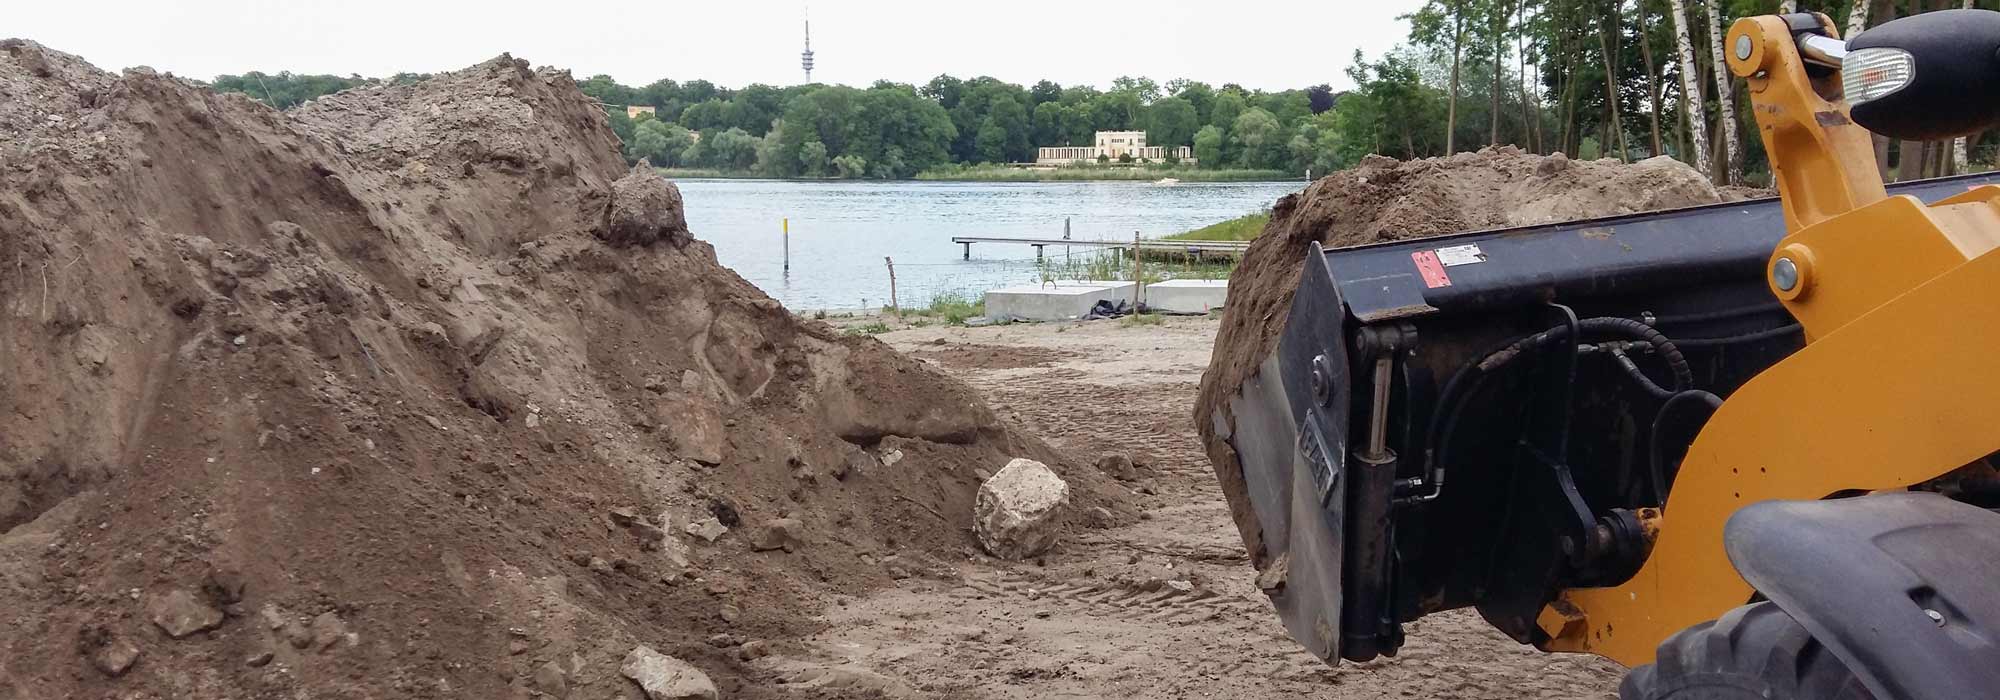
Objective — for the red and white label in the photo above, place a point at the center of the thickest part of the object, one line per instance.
(1431, 268)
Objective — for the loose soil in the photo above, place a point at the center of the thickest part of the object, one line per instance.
(416, 392)
(1154, 606)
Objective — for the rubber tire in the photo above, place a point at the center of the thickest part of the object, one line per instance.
(1755, 651)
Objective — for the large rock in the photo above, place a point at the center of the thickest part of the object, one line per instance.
(666, 678)
(646, 209)
(1019, 510)
(179, 614)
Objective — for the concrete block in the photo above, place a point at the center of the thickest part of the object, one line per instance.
(1186, 296)
(1054, 301)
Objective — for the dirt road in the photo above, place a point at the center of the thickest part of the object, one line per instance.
(1157, 607)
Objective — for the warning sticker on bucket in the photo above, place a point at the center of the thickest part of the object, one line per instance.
(1431, 269)
(1461, 255)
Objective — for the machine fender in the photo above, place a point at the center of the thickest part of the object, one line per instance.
(1900, 586)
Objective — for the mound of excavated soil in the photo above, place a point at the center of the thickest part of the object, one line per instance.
(1388, 200)
(416, 392)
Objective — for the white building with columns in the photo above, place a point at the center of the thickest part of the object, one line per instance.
(1112, 145)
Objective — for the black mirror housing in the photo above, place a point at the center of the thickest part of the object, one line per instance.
(1955, 86)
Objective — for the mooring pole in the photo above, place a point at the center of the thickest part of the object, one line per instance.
(893, 306)
(1138, 282)
(788, 243)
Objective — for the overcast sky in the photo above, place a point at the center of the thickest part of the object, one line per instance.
(1270, 44)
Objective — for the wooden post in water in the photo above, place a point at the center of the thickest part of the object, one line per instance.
(1138, 279)
(788, 243)
(893, 306)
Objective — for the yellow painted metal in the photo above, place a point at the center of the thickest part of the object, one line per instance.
(1893, 388)
(1823, 164)
(1900, 395)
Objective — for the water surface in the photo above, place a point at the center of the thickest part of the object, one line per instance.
(841, 231)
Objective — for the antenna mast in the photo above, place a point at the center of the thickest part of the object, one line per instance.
(806, 57)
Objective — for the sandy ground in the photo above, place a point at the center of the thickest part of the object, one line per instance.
(1158, 607)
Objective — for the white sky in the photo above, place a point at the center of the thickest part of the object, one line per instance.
(1269, 44)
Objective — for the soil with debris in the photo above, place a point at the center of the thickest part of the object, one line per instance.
(1389, 200)
(416, 391)
(1157, 605)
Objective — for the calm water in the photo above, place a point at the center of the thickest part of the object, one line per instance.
(842, 230)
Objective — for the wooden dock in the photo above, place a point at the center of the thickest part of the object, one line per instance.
(1168, 246)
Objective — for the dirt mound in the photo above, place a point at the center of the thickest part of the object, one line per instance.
(1388, 200)
(358, 401)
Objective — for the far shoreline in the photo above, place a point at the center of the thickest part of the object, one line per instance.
(1004, 174)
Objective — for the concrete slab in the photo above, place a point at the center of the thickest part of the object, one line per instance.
(1186, 296)
(1055, 301)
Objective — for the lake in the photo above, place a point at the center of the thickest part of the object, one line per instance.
(841, 230)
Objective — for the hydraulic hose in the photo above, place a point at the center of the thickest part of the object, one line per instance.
(1658, 472)
(1469, 376)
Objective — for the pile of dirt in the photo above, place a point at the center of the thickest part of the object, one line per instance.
(416, 391)
(1389, 200)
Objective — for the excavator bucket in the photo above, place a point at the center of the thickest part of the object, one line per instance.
(1397, 353)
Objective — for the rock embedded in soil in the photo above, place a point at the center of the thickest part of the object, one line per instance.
(707, 529)
(779, 533)
(666, 678)
(1018, 512)
(646, 209)
(1118, 466)
(109, 652)
(179, 614)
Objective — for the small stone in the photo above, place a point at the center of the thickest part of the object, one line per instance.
(240, 341)
(550, 679)
(1118, 466)
(599, 565)
(223, 586)
(666, 678)
(273, 618)
(754, 650)
(1018, 512)
(258, 660)
(891, 457)
(435, 423)
(532, 420)
(723, 641)
(110, 653)
(708, 529)
(781, 533)
(729, 613)
(327, 630)
(180, 614)
(690, 381)
(624, 517)
(297, 635)
(517, 646)
(982, 474)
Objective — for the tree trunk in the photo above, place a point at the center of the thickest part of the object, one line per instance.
(1531, 126)
(1499, 27)
(1611, 85)
(1691, 112)
(1910, 162)
(1451, 102)
(1958, 156)
(1723, 99)
(1857, 18)
(1652, 74)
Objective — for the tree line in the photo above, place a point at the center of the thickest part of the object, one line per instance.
(1626, 79)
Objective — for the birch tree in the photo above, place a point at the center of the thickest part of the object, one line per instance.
(1733, 159)
(1959, 160)
(1652, 74)
(1691, 110)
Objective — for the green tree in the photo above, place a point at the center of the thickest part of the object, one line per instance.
(1171, 122)
(659, 142)
(812, 158)
(850, 166)
(1045, 92)
(991, 143)
(1048, 125)
(1208, 146)
(1226, 108)
(1256, 137)
(620, 124)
